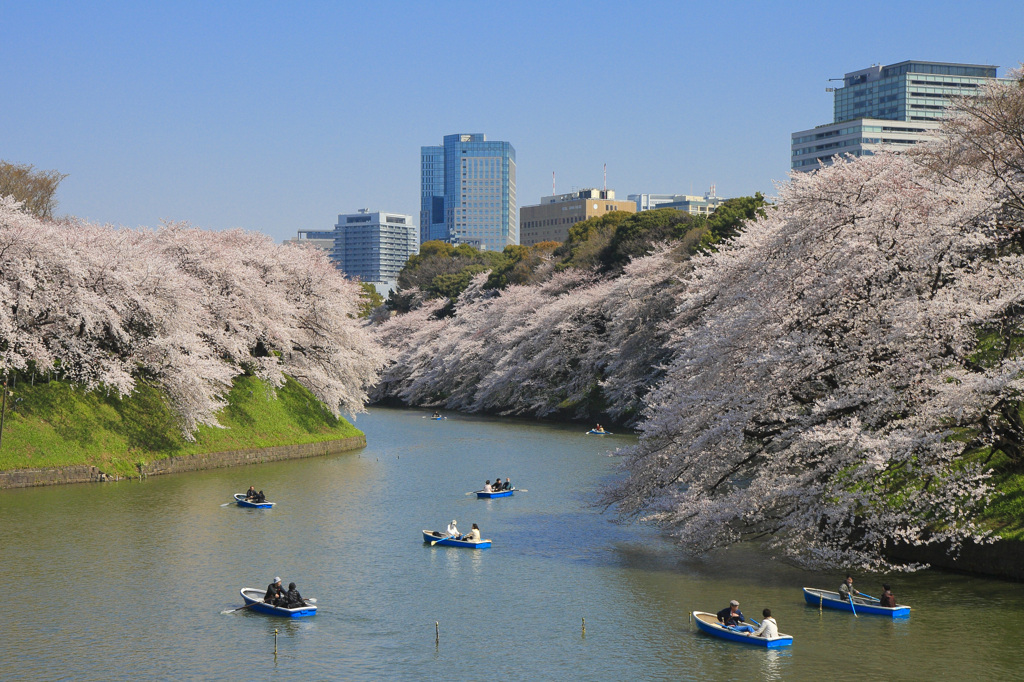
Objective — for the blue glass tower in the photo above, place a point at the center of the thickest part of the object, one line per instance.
(468, 192)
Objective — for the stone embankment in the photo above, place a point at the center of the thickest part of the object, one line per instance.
(1001, 559)
(26, 478)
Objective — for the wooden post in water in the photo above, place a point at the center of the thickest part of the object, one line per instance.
(275, 642)
(584, 634)
(437, 633)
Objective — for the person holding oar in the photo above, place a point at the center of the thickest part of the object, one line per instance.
(731, 617)
(275, 593)
(847, 592)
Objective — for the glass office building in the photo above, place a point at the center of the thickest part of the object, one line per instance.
(468, 192)
(887, 107)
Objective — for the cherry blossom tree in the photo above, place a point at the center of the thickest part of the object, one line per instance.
(182, 308)
(825, 393)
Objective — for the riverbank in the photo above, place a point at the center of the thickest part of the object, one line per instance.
(56, 433)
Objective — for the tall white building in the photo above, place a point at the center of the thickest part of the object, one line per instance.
(370, 246)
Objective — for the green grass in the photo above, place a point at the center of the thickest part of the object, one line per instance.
(53, 424)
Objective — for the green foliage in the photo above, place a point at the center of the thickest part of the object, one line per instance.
(443, 270)
(728, 219)
(369, 299)
(56, 424)
(521, 266)
(609, 241)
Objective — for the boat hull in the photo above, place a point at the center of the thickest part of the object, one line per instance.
(708, 622)
(592, 432)
(501, 493)
(254, 596)
(830, 600)
(242, 502)
(429, 536)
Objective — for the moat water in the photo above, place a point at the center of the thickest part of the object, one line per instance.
(130, 580)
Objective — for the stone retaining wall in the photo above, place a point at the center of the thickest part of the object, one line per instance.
(25, 478)
(1002, 559)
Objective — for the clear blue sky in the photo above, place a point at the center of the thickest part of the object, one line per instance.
(278, 116)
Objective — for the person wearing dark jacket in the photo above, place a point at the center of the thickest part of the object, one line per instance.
(293, 599)
(250, 494)
(731, 617)
(274, 592)
(887, 598)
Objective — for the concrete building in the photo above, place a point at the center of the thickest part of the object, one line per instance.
(696, 205)
(550, 220)
(468, 192)
(370, 246)
(893, 107)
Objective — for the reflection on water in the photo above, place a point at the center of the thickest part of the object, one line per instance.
(128, 580)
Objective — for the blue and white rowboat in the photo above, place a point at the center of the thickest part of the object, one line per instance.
(254, 596)
(832, 600)
(242, 502)
(708, 622)
(432, 535)
(592, 432)
(499, 493)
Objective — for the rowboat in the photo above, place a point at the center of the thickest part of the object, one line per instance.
(832, 600)
(254, 596)
(497, 493)
(592, 432)
(708, 622)
(432, 535)
(242, 502)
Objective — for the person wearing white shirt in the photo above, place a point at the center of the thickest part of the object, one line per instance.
(487, 487)
(453, 531)
(769, 628)
(473, 535)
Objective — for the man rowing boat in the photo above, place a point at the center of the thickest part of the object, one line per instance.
(847, 593)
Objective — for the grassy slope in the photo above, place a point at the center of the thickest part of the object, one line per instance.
(55, 424)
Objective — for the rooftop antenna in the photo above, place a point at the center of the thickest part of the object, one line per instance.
(606, 177)
(552, 183)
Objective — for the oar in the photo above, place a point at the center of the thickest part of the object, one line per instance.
(868, 596)
(434, 542)
(853, 608)
(242, 607)
(474, 492)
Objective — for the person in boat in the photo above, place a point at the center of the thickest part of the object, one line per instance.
(497, 487)
(887, 597)
(599, 428)
(473, 535)
(508, 484)
(250, 494)
(846, 591)
(260, 497)
(436, 415)
(731, 617)
(453, 530)
(275, 593)
(292, 598)
(769, 628)
(487, 487)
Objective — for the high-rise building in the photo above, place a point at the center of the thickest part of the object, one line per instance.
(891, 106)
(468, 192)
(550, 220)
(695, 205)
(369, 246)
